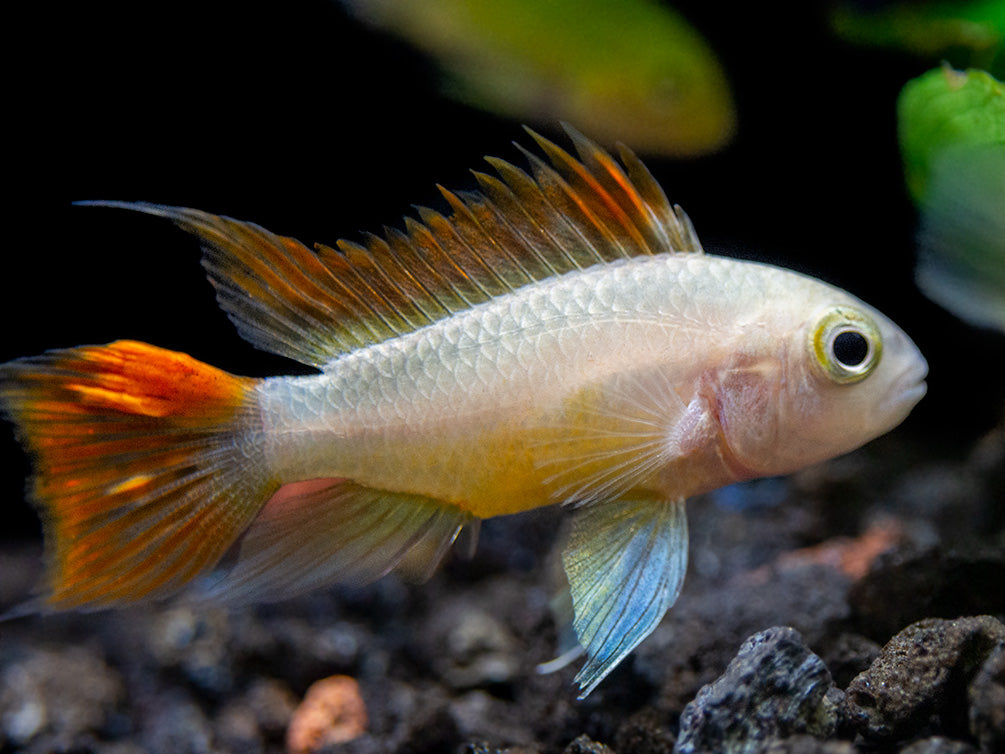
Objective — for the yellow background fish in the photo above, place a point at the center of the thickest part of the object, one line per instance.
(634, 70)
(560, 338)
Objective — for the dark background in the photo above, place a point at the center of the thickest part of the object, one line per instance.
(296, 117)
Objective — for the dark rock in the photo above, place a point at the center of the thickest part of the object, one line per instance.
(197, 643)
(775, 687)
(906, 586)
(365, 744)
(645, 732)
(237, 730)
(805, 744)
(938, 745)
(480, 747)
(479, 649)
(312, 648)
(698, 638)
(924, 670)
(272, 704)
(407, 719)
(479, 715)
(430, 732)
(585, 745)
(987, 703)
(847, 655)
(61, 695)
(178, 726)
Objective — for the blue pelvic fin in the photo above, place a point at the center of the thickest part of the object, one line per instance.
(625, 561)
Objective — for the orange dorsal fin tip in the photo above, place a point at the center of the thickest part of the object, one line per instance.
(520, 228)
(143, 467)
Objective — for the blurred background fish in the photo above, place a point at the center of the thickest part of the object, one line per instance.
(963, 33)
(633, 71)
(952, 137)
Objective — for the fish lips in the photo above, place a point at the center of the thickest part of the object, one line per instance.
(909, 388)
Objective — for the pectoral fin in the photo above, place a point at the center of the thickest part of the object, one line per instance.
(625, 561)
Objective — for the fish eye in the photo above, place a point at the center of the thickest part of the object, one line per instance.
(850, 348)
(846, 345)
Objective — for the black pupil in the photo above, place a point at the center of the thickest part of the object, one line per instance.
(850, 348)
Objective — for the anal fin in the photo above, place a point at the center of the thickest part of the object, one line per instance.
(625, 561)
(325, 531)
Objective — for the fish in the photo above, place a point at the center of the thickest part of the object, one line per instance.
(967, 33)
(634, 70)
(560, 338)
(951, 127)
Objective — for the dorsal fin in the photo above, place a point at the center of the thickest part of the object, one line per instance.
(313, 305)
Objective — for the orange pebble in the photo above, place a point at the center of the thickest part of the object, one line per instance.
(851, 556)
(331, 712)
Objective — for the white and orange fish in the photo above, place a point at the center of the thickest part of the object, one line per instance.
(560, 338)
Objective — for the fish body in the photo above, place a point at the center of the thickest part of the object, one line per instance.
(500, 408)
(634, 71)
(561, 338)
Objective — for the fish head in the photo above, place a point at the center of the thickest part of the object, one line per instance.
(673, 101)
(824, 376)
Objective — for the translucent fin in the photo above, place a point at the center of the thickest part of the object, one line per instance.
(616, 437)
(312, 305)
(144, 476)
(625, 562)
(325, 531)
(568, 654)
(569, 648)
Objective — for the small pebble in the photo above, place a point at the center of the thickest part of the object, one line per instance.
(177, 726)
(332, 712)
(938, 745)
(272, 703)
(479, 715)
(63, 693)
(804, 744)
(237, 730)
(585, 745)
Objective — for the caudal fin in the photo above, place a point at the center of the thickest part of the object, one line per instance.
(145, 472)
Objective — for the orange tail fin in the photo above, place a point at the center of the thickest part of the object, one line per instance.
(145, 471)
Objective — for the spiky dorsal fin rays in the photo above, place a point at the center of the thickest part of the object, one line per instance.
(599, 183)
(520, 228)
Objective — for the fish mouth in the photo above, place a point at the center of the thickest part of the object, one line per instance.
(909, 388)
(914, 393)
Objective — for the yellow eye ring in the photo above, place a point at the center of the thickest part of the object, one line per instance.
(846, 345)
